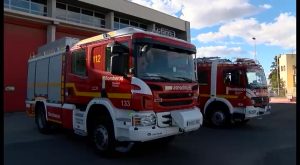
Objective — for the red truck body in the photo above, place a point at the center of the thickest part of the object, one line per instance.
(99, 83)
(231, 91)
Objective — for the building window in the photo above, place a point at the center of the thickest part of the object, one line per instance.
(124, 23)
(37, 7)
(116, 23)
(294, 69)
(73, 14)
(79, 15)
(294, 75)
(100, 20)
(143, 26)
(87, 17)
(79, 62)
(61, 11)
(61, 6)
(134, 24)
(120, 23)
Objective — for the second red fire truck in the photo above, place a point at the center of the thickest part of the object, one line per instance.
(231, 91)
(117, 88)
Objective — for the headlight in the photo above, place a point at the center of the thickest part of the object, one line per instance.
(144, 120)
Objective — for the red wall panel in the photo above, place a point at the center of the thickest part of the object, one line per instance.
(19, 42)
(22, 38)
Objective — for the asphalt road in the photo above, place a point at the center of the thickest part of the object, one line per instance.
(267, 141)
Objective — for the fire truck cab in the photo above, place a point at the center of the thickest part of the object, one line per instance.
(231, 91)
(120, 87)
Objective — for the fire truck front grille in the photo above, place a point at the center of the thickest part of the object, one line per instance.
(176, 103)
(154, 87)
(175, 95)
(260, 101)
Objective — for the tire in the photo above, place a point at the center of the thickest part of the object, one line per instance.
(40, 119)
(219, 118)
(103, 137)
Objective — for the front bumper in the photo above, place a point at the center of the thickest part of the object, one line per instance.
(251, 112)
(181, 121)
(143, 134)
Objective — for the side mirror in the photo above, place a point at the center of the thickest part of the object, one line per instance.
(119, 58)
(145, 49)
(67, 48)
(117, 65)
(116, 48)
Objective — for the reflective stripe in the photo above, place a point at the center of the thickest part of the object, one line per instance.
(55, 121)
(228, 96)
(222, 96)
(119, 95)
(77, 93)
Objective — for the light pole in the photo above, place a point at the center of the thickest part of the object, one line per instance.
(254, 47)
(278, 83)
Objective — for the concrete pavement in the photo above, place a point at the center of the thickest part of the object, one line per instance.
(281, 100)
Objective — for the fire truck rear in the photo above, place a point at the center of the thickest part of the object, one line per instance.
(231, 91)
(121, 87)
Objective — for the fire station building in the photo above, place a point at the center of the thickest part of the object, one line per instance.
(29, 24)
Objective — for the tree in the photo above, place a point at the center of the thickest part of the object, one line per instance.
(273, 76)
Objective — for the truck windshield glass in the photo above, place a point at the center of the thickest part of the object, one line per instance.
(159, 63)
(256, 78)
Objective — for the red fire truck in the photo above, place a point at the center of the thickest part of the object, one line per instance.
(118, 88)
(231, 91)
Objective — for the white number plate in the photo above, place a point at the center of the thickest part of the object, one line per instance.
(192, 122)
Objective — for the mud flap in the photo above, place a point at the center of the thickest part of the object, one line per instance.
(187, 120)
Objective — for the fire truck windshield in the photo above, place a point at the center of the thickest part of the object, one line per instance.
(157, 63)
(256, 78)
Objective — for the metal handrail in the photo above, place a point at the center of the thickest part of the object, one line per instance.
(9, 4)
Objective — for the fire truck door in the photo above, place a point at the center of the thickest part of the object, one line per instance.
(232, 82)
(117, 85)
(77, 85)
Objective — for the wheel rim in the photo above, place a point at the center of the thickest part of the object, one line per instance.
(101, 138)
(218, 118)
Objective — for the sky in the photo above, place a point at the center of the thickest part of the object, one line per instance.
(226, 28)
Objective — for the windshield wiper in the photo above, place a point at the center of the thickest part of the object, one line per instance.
(158, 76)
(184, 78)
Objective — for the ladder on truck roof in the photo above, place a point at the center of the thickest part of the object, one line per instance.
(121, 32)
(54, 47)
(212, 59)
(248, 62)
(124, 31)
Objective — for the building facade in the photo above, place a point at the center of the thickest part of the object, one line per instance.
(29, 24)
(287, 72)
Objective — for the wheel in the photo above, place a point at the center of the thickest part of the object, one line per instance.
(219, 118)
(41, 121)
(103, 137)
